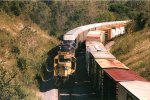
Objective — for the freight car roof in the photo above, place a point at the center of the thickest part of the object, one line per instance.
(104, 28)
(80, 29)
(95, 33)
(102, 55)
(95, 46)
(123, 75)
(139, 89)
(110, 63)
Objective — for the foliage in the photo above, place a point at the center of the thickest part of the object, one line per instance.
(119, 8)
(12, 7)
(133, 10)
(21, 63)
(15, 50)
(105, 16)
(40, 14)
(7, 89)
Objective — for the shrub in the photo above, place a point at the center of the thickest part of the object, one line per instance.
(15, 50)
(118, 8)
(21, 62)
(105, 16)
(7, 89)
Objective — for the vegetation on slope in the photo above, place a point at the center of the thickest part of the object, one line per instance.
(22, 56)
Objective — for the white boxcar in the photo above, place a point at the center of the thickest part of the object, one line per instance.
(113, 33)
(122, 29)
(118, 31)
(134, 90)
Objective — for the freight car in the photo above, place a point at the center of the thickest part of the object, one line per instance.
(64, 62)
(106, 73)
(134, 90)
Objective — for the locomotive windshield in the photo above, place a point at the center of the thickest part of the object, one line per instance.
(62, 59)
(67, 46)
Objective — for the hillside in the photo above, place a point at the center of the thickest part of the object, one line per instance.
(133, 49)
(23, 52)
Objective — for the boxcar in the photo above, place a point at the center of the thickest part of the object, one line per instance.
(97, 71)
(111, 79)
(134, 90)
(95, 49)
(105, 75)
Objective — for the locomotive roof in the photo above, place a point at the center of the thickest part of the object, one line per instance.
(123, 75)
(68, 37)
(139, 89)
(95, 46)
(110, 63)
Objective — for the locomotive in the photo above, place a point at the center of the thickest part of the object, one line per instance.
(65, 62)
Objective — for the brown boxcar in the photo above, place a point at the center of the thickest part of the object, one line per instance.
(111, 79)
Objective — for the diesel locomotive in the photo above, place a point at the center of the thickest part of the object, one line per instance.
(65, 62)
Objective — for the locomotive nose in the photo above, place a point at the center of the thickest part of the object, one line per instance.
(65, 67)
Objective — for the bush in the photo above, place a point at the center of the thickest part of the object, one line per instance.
(15, 50)
(21, 62)
(141, 21)
(119, 8)
(8, 90)
(105, 16)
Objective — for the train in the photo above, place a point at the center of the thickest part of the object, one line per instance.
(65, 62)
(110, 78)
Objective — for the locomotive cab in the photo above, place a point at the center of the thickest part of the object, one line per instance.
(64, 65)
